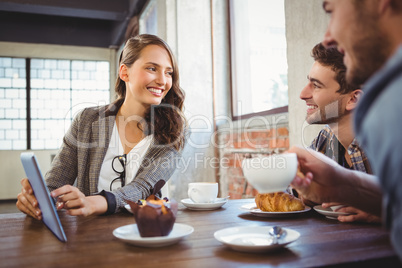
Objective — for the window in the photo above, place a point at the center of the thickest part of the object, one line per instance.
(12, 104)
(37, 109)
(258, 57)
(149, 19)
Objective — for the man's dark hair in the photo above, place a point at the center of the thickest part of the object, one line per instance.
(332, 58)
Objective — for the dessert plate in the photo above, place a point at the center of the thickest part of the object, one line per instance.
(329, 213)
(253, 238)
(219, 202)
(252, 208)
(130, 234)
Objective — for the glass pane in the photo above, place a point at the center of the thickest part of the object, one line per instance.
(59, 90)
(149, 19)
(258, 55)
(12, 104)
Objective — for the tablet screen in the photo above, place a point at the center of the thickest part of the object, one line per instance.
(42, 194)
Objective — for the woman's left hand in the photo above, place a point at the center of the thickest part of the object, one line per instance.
(76, 203)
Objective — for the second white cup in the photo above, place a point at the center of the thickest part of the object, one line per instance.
(203, 192)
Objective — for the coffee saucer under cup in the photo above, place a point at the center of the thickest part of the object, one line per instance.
(219, 202)
(330, 213)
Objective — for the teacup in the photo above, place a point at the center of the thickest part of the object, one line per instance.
(203, 192)
(269, 174)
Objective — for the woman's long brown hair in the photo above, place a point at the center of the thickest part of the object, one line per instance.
(166, 120)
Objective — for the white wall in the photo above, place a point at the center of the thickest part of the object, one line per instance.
(305, 27)
(10, 165)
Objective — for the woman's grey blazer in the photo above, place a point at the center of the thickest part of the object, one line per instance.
(84, 148)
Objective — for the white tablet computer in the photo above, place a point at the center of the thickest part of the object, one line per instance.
(42, 194)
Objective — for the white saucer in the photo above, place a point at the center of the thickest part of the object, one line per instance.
(252, 208)
(204, 206)
(329, 213)
(130, 234)
(253, 238)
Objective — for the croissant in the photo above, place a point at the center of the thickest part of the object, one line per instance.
(278, 202)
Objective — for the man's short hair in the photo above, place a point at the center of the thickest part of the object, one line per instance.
(332, 58)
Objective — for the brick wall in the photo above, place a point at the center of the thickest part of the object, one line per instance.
(236, 145)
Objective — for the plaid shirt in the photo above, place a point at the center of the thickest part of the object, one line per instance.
(327, 143)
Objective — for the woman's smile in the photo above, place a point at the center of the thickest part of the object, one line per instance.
(158, 92)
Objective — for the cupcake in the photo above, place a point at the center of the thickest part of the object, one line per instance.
(154, 216)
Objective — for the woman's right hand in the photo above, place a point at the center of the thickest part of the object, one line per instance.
(27, 202)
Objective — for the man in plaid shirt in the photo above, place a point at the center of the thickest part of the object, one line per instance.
(331, 100)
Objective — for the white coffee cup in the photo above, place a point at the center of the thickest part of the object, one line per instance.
(272, 173)
(203, 192)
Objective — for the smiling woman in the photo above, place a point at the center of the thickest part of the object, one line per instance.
(152, 72)
(144, 128)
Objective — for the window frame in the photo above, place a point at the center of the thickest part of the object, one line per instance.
(60, 52)
(233, 84)
(29, 119)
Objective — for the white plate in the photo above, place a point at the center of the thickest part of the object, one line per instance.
(329, 213)
(253, 238)
(204, 206)
(130, 234)
(252, 208)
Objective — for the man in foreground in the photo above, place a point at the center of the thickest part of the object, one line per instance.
(368, 33)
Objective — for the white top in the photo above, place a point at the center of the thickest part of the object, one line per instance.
(134, 160)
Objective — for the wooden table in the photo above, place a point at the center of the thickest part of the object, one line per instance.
(25, 242)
